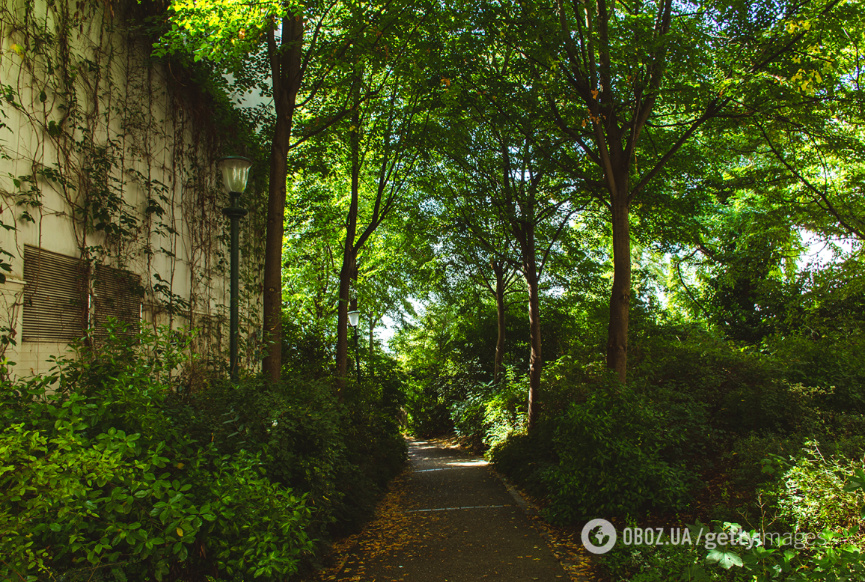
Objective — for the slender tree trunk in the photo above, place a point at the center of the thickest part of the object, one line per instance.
(372, 321)
(349, 258)
(500, 311)
(288, 65)
(525, 235)
(345, 277)
(535, 361)
(620, 299)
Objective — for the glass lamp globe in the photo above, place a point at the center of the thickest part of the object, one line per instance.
(235, 172)
(353, 316)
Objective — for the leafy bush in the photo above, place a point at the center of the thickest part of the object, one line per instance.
(662, 562)
(612, 461)
(428, 413)
(524, 458)
(504, 412)
(295, 427)
(810, 493)
(467, 413)
(230, 481)
(97, 479)
(341, 454)
(831, 360)
(375, 451)
(489, 412)
(744, 557)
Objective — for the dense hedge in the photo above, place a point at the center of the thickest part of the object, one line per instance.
(779, 427)
(112, 469)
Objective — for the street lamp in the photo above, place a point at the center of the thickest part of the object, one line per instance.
(235, 172)
(353, 317)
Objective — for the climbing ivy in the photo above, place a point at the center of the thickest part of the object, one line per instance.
(95, 131)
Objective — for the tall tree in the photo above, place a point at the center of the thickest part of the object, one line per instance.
(301, 48)
(488, 269)
(383, 148)
(630, 84)
(507, 184)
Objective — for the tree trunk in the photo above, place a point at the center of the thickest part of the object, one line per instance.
(372, 322)
(500, 311)
(349, 258)
(345, 276)
(525, 235)
(285, 97)
(620, 299)
(535, 361)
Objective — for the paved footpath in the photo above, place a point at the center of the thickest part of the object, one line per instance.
(448, 519)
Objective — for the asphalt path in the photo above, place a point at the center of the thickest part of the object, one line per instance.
(450, 519)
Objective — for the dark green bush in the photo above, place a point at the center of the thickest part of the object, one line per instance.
(832, 361)
(428, 412)
(613, 452)
(123, 473)
(375, 451)
(487, 413)
(524, 458)
(341, 454)
(98, 482)
(295, 427)
(829, 558)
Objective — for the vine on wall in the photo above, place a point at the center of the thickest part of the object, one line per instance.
(95, 132)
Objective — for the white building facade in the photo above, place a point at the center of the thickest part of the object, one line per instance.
(111, 206)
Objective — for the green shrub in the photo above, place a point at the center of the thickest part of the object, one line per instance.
(428, 413)
(375, 451)
(504, 412)
(233, 481)
(833, 359)
(97, 480)
(810, 492)
(467, 414)
(752, 453)
(524, 458)
(489, 412)
(611, 451)
(663, 562)
(294, 426)
(341, 454)
(829, 558)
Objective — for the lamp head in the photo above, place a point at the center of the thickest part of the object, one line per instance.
(353, 317)
(235, 172)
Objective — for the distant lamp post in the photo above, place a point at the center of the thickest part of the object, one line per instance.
(235, 172)
(353, 317)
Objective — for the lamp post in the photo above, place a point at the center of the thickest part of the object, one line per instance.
(235, 172)
(353, 320)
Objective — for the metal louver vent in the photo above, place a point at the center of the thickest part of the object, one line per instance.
(54, 297)
(117, 294)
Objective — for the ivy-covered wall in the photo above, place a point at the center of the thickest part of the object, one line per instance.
(109, 156)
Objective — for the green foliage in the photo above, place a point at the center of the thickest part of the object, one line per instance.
(375, 451)
(613, 458)
(340, 454)
(428, 413)
(504, 412)
(831, 361)
(232, 480)
(526, 458)
(219, 29)
(99, 477)
(743, 557)
(809, 531)
(810, 491)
